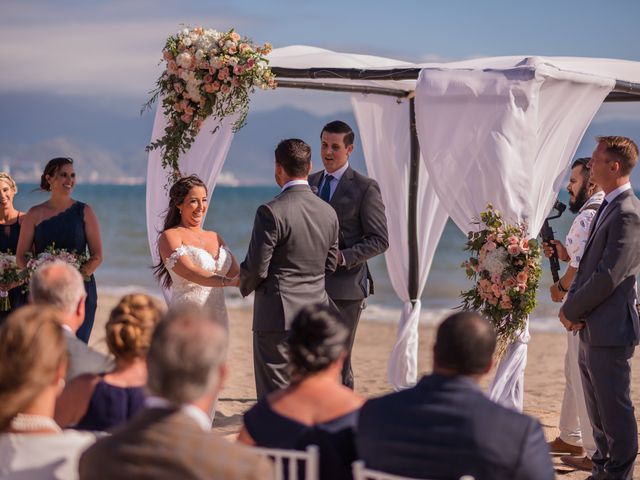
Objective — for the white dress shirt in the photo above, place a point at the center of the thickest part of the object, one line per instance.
(291, 183)
(337, 175)
(202, 419)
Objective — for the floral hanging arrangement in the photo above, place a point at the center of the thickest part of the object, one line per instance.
(208, 73)
(505, 266)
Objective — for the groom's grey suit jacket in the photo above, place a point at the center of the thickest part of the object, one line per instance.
(293, 243)
(603, 293)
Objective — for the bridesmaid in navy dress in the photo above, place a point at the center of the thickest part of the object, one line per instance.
(63, 222)
(10, 220)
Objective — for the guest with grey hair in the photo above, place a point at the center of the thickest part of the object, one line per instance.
(171, 437)
(60, 285)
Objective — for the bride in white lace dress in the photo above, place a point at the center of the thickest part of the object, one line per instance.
(195, 263)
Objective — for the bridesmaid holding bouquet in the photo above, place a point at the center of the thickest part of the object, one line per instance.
(10, 220)
(64, 223)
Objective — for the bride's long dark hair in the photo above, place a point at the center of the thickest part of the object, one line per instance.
(177, 194)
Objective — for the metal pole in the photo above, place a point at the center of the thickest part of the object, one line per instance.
(414, 177)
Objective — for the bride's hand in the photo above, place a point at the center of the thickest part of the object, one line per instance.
(232, 282)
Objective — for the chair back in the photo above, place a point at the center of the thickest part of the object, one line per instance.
(293, 464)
(360, 472)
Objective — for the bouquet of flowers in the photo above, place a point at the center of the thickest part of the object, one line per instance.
(51, 254)
(207, 73)
(9, 274)
(505, 266)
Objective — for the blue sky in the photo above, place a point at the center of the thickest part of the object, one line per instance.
(105, 54)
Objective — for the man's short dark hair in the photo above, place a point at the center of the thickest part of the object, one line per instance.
(584, 163)
(340, 127)
(465, 342)
(294, 156)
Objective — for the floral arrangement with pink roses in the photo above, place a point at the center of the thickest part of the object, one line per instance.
(9, 276)
(505, 266)
(51, 254)
(207, 73)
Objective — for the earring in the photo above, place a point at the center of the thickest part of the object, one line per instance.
(61, 384)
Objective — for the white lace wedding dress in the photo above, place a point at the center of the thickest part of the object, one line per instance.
(184, 291)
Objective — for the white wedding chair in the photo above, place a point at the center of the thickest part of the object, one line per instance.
(360, 472)
(292, 462)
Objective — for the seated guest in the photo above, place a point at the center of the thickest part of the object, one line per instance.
(171, 438)
(315, 408)
(445, 427)
(60, 285)
(101, 402)
(33, 361)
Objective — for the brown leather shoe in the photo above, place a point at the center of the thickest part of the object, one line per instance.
(579, 463)
(560, 446)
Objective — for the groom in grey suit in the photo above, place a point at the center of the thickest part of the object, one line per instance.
(601, 305)
(363, 227)
(293, 243)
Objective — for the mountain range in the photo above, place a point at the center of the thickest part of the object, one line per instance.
(107, 139)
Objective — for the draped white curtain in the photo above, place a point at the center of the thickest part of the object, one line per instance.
(505, 137)
(383, 123)
(205, 158)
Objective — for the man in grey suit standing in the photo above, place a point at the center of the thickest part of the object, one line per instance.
(363, 227)
(293, 244)
(601, 305)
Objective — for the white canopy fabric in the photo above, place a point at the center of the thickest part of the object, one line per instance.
(504, 137)
(302, 56)
(383, 123)
(205, 159)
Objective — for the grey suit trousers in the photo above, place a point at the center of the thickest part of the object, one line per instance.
(606, 373)
(270, 361)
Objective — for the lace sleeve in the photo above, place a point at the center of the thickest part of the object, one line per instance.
(173, 258)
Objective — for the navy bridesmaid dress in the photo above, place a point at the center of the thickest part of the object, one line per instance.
(8, 242)
(66, 230)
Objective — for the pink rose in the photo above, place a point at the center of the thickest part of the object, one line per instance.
(225, 88)
(513, 240)
(490, 246)
(235, 82)
(238, 69)
(250, 63)
(496, 290)
(208, 79)
(506, 304)
(522, 277)
(522, 287)
(493, 301)
(186, 118)
(524, 245)
(510, 282)
(178, 87)
(209, 88)
(232, 50)
(235, 37)
(513, 249)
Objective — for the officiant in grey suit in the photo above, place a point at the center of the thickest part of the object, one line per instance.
(363, 227)
(293, 243)
(601, 305)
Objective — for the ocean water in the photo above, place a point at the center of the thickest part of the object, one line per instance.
(127, 263)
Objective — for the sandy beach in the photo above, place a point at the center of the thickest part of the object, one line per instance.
(544, 379)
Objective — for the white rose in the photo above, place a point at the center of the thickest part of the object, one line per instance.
(186, 32)
(186, 41)
(199, 55)
(233, 61)
(184, 60)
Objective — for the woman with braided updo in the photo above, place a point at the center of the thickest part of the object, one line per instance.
(33, 363)
(101, 402)
(315, 408)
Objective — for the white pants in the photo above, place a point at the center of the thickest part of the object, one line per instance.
(575, 428)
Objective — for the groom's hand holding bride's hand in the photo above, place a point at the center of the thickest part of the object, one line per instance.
(232, 282)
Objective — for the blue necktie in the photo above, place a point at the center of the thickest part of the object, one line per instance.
(325, 193)
(594, 222)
